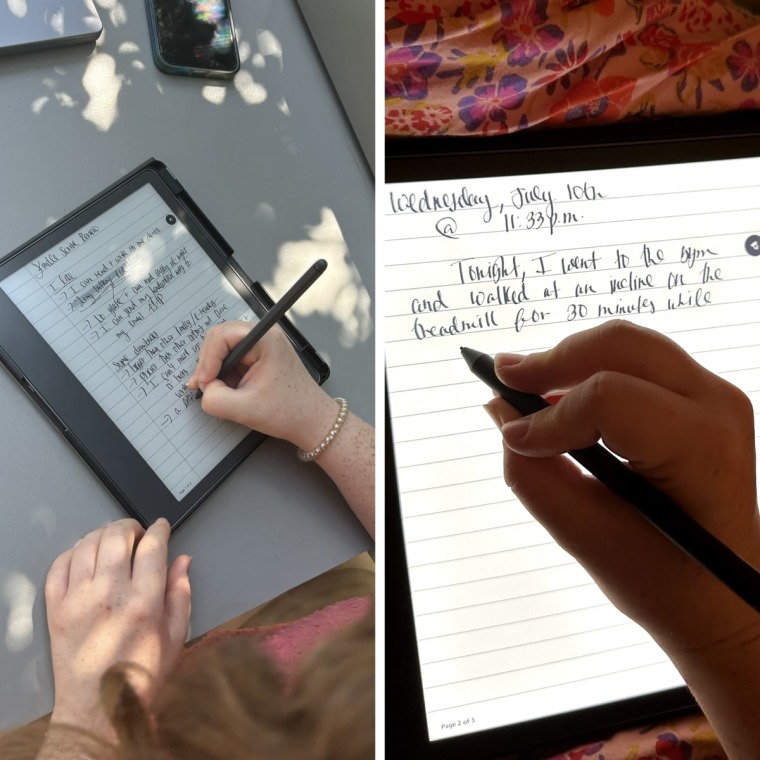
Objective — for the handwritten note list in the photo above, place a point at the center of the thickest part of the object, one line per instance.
(125, 303)
(509, 627)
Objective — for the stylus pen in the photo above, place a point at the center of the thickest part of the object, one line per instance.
(277, 312)
(660, 510)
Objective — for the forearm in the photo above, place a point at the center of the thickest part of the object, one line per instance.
(710, 635)
(349, 459)
(727, 690)
(350, 462)
(720, 662)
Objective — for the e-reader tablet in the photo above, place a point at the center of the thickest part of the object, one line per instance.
(47, 23)
(498, 643)
(101, 319)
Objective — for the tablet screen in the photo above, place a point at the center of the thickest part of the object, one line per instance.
(124, 302)
(508, 627)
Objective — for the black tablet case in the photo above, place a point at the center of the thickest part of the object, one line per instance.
(76, 415)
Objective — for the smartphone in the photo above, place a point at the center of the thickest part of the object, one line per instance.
(193, 37)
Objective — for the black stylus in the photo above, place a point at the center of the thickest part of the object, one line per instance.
(276, 313)
(660, 510)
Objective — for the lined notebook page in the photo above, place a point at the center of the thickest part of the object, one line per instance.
(509, 627)
(125, 302)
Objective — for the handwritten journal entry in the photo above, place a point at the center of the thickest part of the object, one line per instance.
(509, 627)
(125, 302)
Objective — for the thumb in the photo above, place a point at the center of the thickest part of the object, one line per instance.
(219, 400)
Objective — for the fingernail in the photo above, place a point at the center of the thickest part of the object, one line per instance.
(500, 412)
(161, 520)
(507, 360)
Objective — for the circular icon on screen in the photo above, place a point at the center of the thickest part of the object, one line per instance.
(171, 219)
(752, 245)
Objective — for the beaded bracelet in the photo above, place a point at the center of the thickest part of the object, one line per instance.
(310, 456)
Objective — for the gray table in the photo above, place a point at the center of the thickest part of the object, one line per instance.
(271, 160)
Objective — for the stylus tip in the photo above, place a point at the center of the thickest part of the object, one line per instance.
(469, 355)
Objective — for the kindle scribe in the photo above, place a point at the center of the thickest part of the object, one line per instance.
(101, 319)
(498, 643)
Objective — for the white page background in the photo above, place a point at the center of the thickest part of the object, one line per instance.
(509, 627)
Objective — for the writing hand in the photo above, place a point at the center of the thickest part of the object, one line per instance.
(270, 390)
(691, 434)
(103, 607)
(686, 430)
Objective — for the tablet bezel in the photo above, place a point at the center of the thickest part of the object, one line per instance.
(73, 411)
(532, 152)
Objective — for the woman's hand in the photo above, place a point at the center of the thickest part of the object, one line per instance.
(105, 607)
(691, 434)
(270, 390)
(681, 427)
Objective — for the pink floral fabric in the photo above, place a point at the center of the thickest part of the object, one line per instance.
(484, 67)
(689, 738)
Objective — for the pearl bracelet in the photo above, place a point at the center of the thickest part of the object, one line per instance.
(310, 456)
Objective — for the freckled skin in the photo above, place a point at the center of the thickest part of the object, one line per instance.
(271, 391)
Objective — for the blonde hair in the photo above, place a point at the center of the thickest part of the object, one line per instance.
(229, 701)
